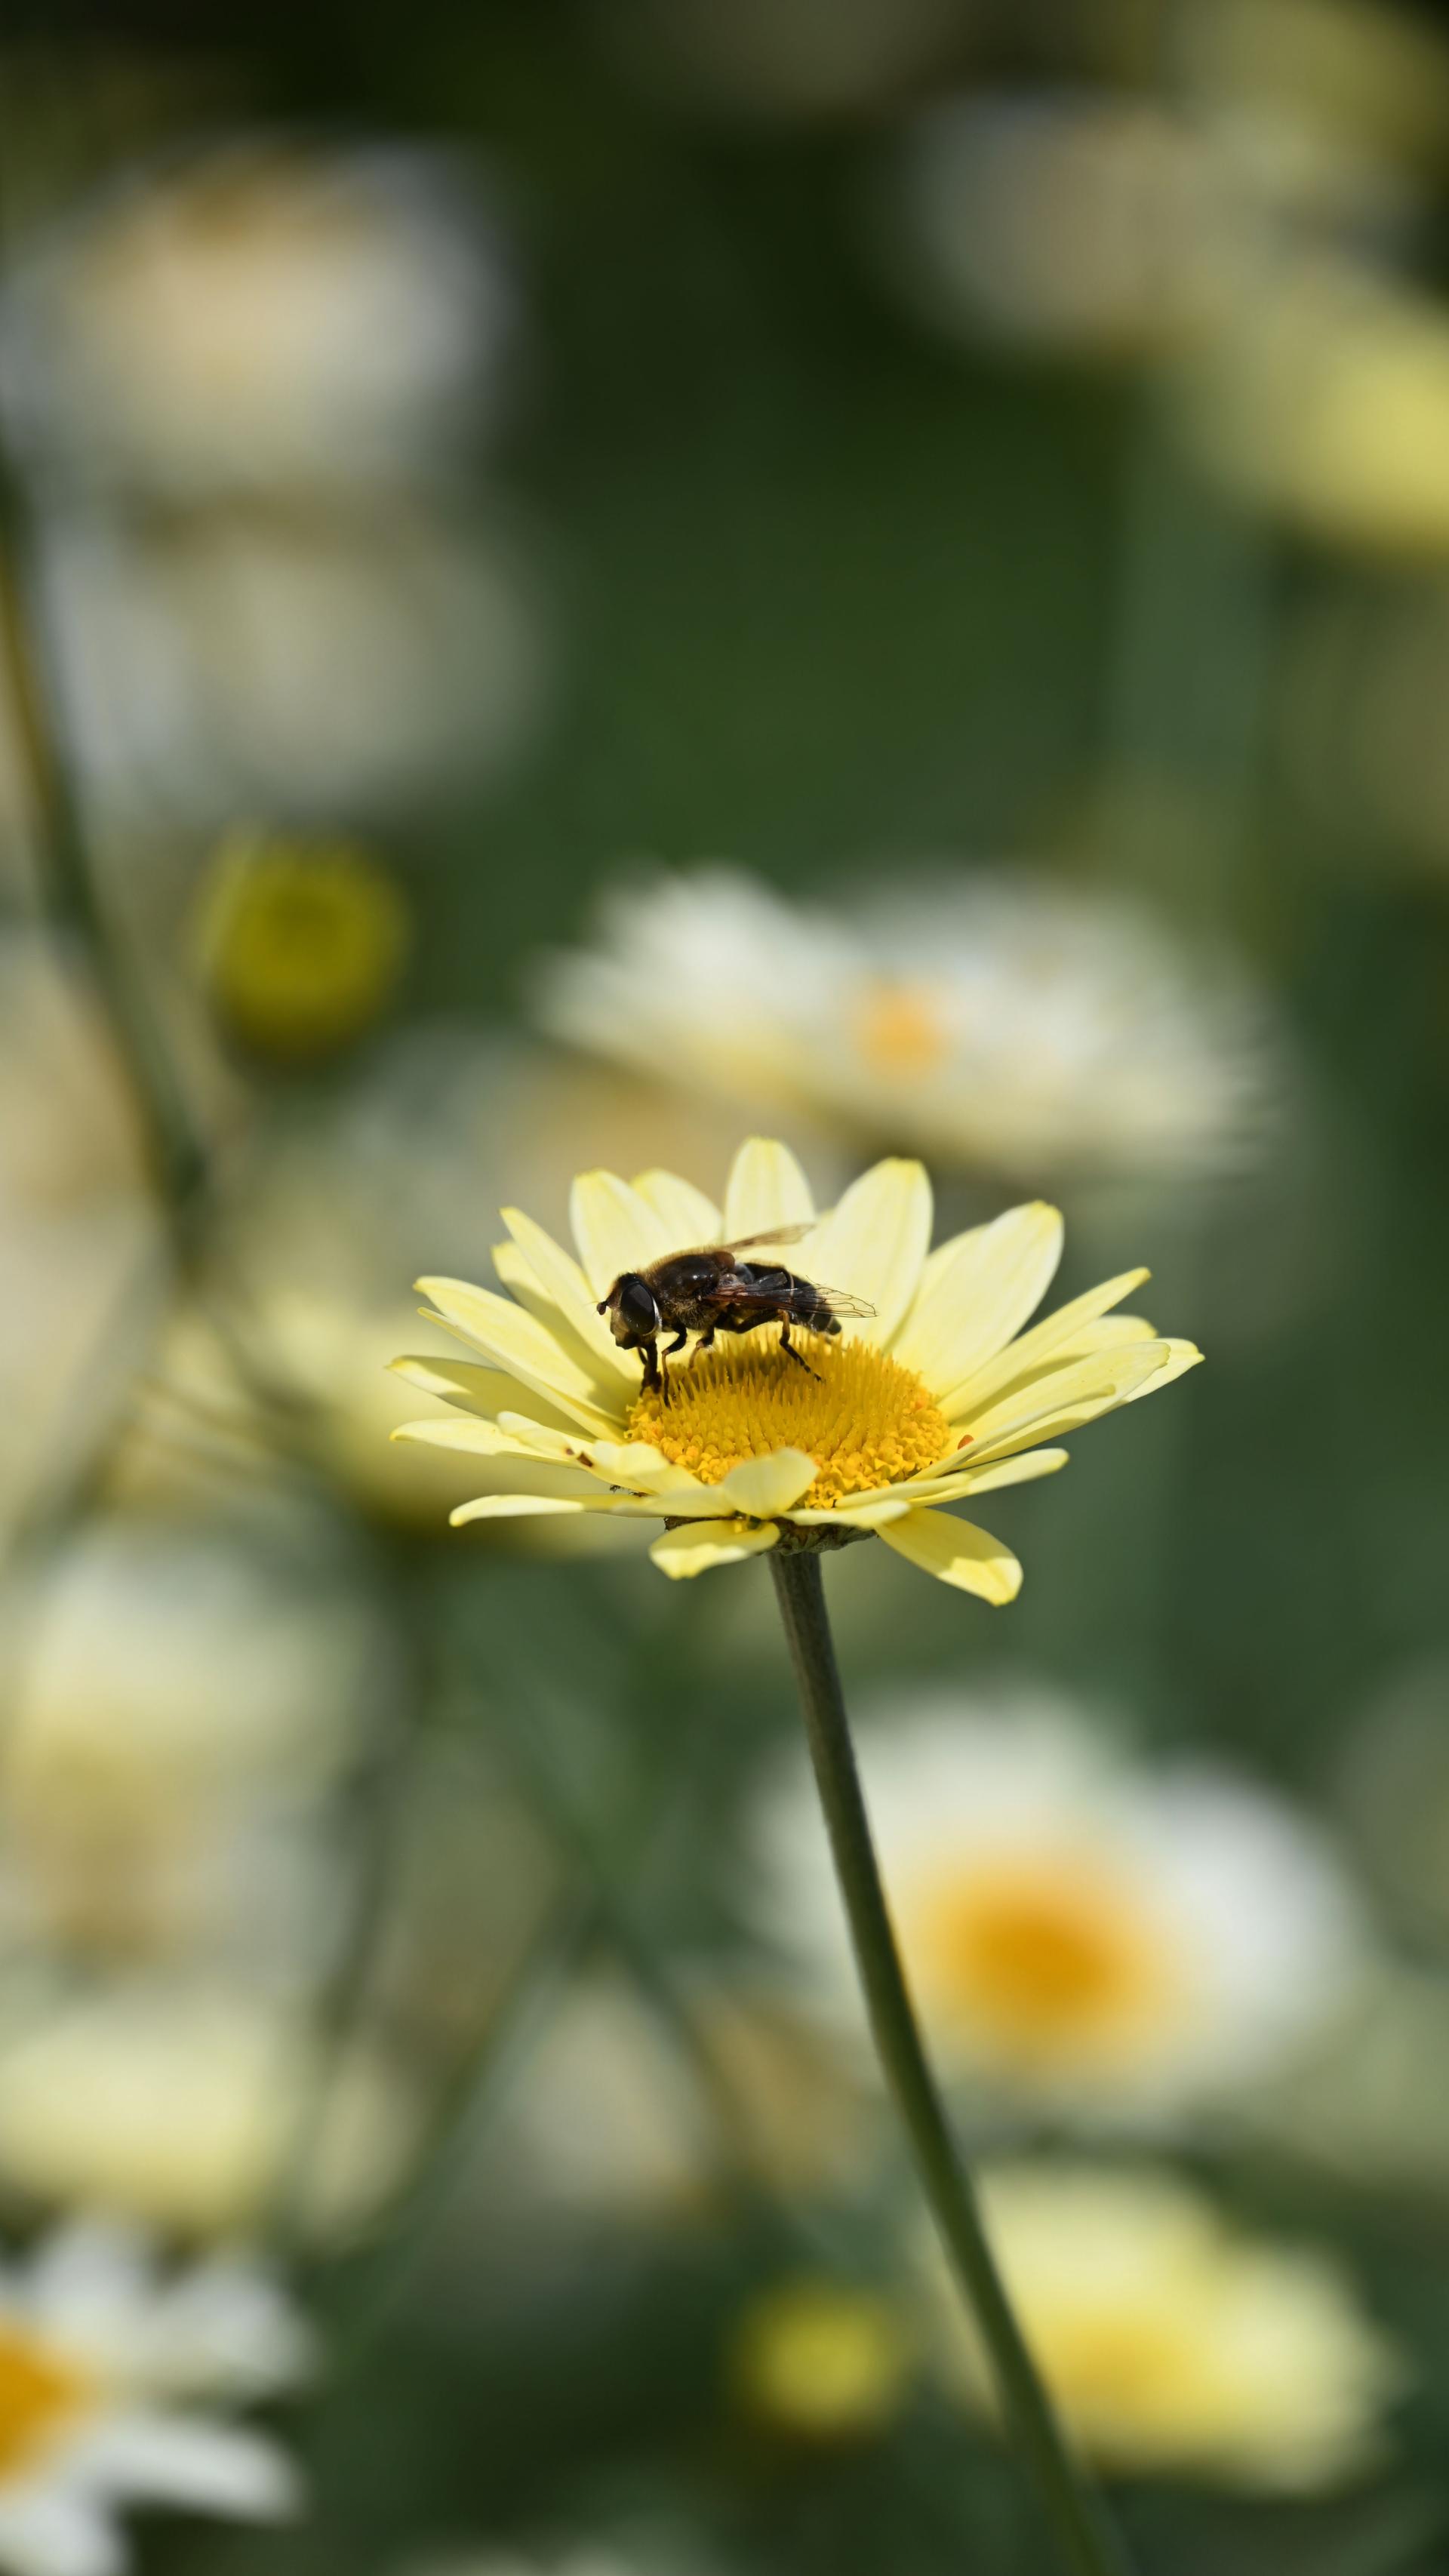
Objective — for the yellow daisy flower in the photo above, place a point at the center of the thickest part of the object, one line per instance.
(934, 1396)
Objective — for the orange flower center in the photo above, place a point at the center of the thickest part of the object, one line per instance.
(39, 2393)
(864, 1419)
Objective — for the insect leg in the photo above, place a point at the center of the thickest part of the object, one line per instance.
(680, 1338)
(788, 1347)
(649, 1354)
(704, 1343)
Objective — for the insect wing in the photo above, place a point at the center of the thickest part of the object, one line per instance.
(837, 1301)
(772, 1234)
(735, 1288)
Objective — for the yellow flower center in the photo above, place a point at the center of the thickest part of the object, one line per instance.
(39, 2392)
(819, 2360)
(1046, 1957)
(864, 1419)
(898, 1028)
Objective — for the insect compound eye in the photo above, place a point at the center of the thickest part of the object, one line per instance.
(637, 1307)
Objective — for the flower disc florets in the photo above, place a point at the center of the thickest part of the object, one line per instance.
(864, 1419)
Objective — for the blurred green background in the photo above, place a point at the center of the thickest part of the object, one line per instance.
(878, 485)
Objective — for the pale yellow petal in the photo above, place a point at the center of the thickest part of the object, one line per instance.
(946, 1253)
(1045, 1339)
(523, 1507)
(873, 1244)
(706, 1544)
(518, 1343)
(978, 1300)
(614, 1228)
(611, 1389)
(563, 1283)
(766, 1188)
(869, 1512)
(1063, 1400)
(462, 1382)
(476, 1438)
(688, 1216)
(764, 1486)
(619, 1461)
(1181, 1356)
(1021, 1470)
(948, 1481)
(958, 1553)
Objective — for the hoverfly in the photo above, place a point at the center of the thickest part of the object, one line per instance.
(712, 1290)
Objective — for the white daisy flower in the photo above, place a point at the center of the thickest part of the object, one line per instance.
(1172, 2343)
(101, 2369)
(262, 315)
(1080, 1932)
(1000, 1021)
(218, 661)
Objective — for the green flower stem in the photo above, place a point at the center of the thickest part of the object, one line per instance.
(1087, 2545)
(174, 1146)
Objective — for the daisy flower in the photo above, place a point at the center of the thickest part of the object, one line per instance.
(1004, 1022)
(1172, 2342)
(101, 2366)
(262, 316)
(931, 1397)
(1081, 1931)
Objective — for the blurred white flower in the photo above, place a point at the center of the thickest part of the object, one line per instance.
(195, 2108)
(609, 2120)
(307, 663)
(1005, 1021)
(178, 1703)
(1173, 2344)
(260, 316)
(1105, 224)
(1084, 220)
(102, 2366)
(1081, 1933)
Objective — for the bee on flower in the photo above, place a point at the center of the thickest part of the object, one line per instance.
(1001, 1023)
(105, 2376)
(928, 1393)
(1083, 1934)
(1174, 2343)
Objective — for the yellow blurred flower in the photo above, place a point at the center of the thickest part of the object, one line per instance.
(1324, 397)
(924, 1399)
(1173, 2344)
(821, 2361)
(1081, 1932)
(184, 2104)
(1005, 1022)
(178, 1704)
(301, 941)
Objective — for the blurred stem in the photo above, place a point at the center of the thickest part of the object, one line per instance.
(1086, 2543)
(174, 1147)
